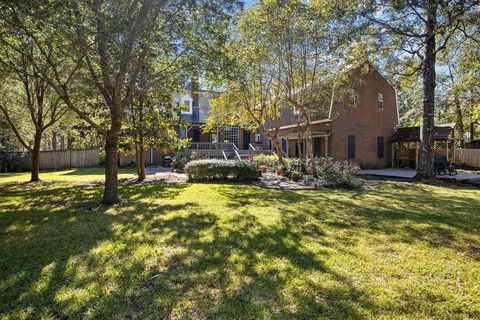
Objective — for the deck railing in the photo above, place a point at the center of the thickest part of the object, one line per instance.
(211, 146)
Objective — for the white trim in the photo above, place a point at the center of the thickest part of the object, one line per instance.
(190, 104)
(396, 104)
(313, 122)
(331, 104)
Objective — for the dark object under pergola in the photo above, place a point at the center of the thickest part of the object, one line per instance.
(406, 142)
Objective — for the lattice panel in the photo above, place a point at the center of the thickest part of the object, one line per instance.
(440, 148)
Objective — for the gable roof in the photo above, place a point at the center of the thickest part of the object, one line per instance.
(440, 132)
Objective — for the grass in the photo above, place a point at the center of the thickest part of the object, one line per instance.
(74, 175)
(234, 251)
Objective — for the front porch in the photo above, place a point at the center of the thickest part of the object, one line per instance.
(292, 146)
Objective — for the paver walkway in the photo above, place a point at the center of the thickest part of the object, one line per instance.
(272, 181)
(411, 173)
(390, 172)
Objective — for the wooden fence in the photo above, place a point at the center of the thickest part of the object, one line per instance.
(59, 159)
(468, 157)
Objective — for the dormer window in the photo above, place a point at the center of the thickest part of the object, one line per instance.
(380, 101)
(186, 105)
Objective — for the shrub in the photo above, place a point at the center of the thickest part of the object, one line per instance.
(337, 174)
(295, 165)
(270, 161)
(196, 156)
(296, 175)
(179, 162)
(199, 170)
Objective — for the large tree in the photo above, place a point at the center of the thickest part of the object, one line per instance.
(419, 30)
(284, 57)
(27, 101)
(252, 98)
(107, 42)
(151, 115)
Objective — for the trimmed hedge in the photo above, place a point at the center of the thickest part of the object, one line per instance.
(204, 170)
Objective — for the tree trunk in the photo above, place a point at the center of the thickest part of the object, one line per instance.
(110, 193)
(299, 143)
(54, 141)
(426, 155)
(139, 149)
(35, 174)
(277, 148)
(309, 149)
(458, 111)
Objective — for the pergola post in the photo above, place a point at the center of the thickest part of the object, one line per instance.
(454, 143)
(446, 141)
(416, 155)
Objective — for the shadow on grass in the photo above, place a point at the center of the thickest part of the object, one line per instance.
(148, 259)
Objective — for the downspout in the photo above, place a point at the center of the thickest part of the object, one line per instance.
(396, 105)
(331, 104)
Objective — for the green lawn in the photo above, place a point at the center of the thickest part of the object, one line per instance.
(74, 175)
(233, 251)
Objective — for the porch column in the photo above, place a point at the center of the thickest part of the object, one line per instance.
(286, 139)
(326, 146)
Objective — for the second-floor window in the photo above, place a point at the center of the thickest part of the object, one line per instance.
(186, 105)
(353, 98)
(380, 101)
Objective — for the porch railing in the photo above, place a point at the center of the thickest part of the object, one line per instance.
(211, 146)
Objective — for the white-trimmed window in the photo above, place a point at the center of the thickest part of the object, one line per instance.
(296, 111)
(186, 104)
(258, 137)
(380, 101)
(231, 134)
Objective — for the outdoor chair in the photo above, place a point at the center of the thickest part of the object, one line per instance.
(443, 166)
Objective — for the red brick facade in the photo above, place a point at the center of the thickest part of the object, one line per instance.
(364, 120)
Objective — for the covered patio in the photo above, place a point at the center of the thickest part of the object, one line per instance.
(292, 146)
(406, 144)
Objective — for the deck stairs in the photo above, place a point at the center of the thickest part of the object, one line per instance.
(224, 151)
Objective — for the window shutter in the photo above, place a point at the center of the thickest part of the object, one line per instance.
(351, 147)
(380, 147)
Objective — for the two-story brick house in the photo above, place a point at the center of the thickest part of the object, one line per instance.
(357, 128)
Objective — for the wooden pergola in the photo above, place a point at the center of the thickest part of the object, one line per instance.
(406, 143)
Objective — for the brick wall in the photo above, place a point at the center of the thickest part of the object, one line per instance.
(366, 121)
